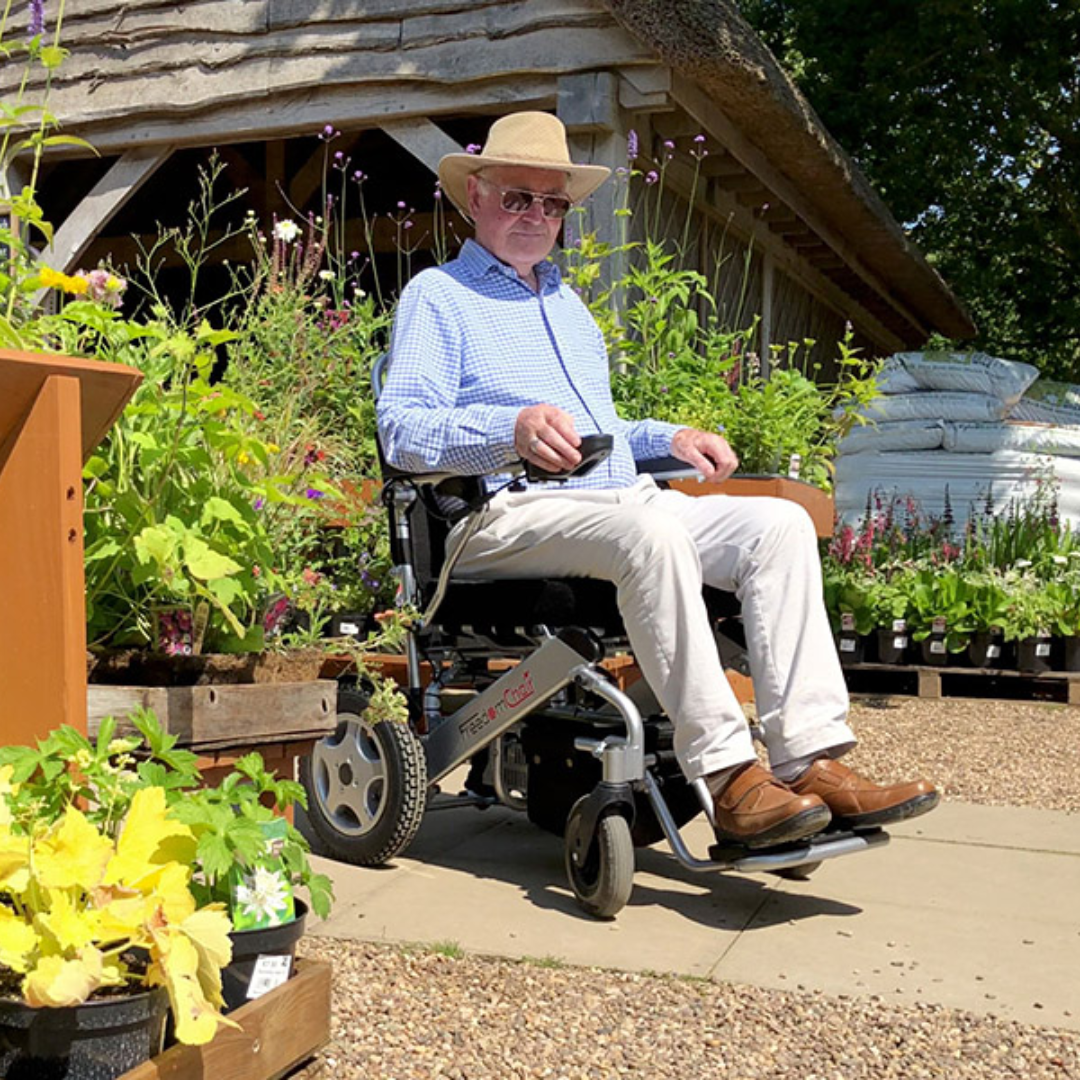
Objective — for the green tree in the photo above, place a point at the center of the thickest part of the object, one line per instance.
(966, 118)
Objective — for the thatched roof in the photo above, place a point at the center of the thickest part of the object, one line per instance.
(712, 45)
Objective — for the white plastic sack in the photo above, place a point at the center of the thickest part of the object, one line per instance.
(893, 435)
(894, 379)
(1049, 402)
(974, 372)
(970, 479)
(1054, 439)
(935, 405)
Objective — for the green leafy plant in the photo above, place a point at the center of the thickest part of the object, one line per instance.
(680, 355)
(227, 823)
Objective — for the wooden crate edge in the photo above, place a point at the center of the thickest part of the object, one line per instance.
(308, 1029)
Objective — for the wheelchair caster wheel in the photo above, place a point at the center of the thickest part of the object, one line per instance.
(797, 873)
(601, 870)
(366, 785)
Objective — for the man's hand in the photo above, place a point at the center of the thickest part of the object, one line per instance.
(545, 436)
(709, 454)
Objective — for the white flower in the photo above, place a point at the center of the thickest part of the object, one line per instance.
(1022, 564)
(1060, 560)
(263, 894)
(326, 275)
(286, 231)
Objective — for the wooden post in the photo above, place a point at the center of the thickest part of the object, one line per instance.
(53, 411)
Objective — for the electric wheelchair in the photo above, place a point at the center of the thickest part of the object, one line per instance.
(506, 677)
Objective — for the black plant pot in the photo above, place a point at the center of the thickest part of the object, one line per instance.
(98, 1040)
(1035, 654)
(989, 649)
(851, 647)
(237, 986)
(892, 645)
(934, 652)
(1070, 654)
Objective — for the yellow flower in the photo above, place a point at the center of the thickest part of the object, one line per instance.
(53, 279)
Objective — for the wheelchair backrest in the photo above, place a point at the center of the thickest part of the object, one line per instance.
(429, 518)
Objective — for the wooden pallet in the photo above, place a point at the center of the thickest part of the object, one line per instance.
(277, 1032)
(941, 682)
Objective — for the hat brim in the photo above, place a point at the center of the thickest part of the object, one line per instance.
(455, 170)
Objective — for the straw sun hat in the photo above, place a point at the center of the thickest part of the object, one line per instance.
(533, 139)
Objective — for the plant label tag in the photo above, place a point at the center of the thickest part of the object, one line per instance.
(847, 621)
(937, 646)
(261, 895)
(899, 626)
(847, 644)
(899, 642)
(1042, 649)
(939, 626)
(269, 973)
(993, 652)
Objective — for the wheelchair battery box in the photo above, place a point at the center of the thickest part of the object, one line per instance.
(560, 774)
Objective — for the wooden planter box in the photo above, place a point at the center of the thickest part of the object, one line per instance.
(277, 1032)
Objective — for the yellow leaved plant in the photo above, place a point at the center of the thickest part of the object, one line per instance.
(84, 913)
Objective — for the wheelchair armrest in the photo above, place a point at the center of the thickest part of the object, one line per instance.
(668, 468)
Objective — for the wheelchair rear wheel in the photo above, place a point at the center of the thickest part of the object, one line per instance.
(603, 876)
(366, 785)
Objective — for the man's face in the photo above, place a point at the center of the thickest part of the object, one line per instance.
(519, 240)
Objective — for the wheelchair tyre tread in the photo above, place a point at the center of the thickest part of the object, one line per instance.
(369, 823)
(603, 882)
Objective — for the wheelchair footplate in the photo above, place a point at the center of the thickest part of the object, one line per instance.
(828, 844)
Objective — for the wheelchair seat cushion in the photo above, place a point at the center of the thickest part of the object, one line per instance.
(551, 602)
(529, 602)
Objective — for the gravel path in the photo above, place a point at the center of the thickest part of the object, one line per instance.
(435, 1015)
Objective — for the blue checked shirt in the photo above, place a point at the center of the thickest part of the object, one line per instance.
(472, 346)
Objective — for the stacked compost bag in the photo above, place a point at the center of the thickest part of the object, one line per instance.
(966, 430)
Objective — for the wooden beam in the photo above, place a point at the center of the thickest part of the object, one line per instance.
(345, 106)
(589, 102)
(110, 193)
(705, 111)
(427, 142)
(645, 89)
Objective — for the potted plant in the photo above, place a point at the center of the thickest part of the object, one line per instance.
(989, 600)
(890, 599)
(1032, 617)
(849, 591)
(97, 909)
(131, 792)
(940, 615)
(249, 859)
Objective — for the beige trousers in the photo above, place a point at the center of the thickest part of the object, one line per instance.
(659, 547)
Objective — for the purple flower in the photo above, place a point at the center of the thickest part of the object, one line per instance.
(314, 493)
(652, 176)
(699, 138)
(473, 148)
(259, 503)
(36, 24)
(631, 145)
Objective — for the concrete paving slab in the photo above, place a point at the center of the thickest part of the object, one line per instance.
(972, 907)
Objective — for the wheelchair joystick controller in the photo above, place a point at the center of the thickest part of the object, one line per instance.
(593, 449)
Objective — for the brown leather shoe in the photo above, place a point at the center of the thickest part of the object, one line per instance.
(856, 802)
(756, 810)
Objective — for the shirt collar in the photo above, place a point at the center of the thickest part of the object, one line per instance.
(479, 261)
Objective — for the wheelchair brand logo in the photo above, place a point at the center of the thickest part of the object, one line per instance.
(513, 696)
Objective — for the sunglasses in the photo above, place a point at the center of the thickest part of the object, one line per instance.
(518, 201)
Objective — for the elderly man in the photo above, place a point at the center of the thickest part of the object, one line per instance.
(494, 359)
